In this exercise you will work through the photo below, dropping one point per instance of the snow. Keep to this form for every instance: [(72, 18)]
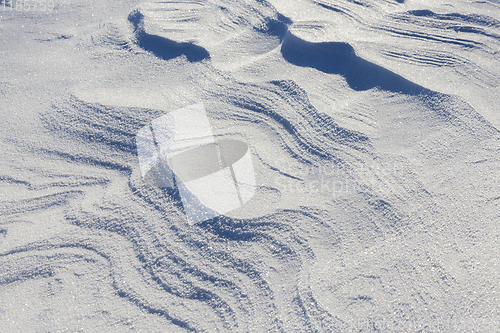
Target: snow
[(371, 147)]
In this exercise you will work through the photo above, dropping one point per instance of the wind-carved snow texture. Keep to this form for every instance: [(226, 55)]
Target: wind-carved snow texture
[(377, 195)]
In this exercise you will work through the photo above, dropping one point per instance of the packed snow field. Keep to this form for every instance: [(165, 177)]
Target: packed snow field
[(372, 128)]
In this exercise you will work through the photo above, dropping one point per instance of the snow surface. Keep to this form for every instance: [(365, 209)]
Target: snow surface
[(373, 130)]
